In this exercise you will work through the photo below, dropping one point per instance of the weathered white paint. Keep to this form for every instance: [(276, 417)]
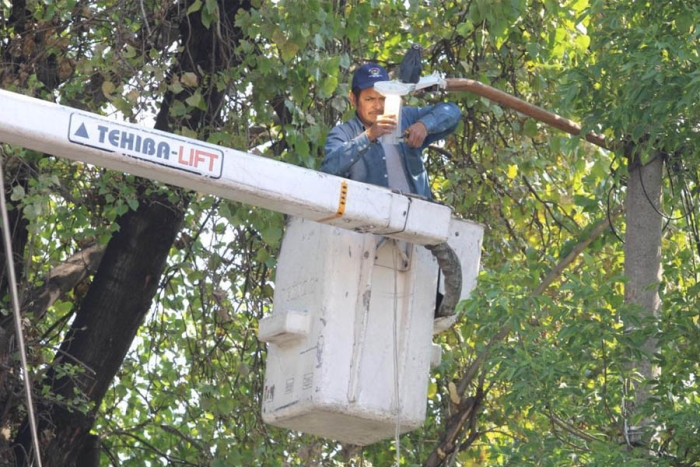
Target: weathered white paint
[(285, 327), (337, 380), (228, 173), (465, 240)]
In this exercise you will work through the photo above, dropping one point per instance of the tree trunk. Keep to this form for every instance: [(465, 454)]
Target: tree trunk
[(105, 326), (90, 452), (643, 262), (129, 274)]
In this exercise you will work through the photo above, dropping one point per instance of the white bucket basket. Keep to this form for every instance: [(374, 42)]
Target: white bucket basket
[(330, 362)]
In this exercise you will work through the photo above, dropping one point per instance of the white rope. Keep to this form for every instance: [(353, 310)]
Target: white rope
[(9, 258), (397, 432)]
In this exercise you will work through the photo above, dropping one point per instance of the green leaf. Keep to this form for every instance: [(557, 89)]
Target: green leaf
[(530, 128), (18, 193), (133, 203), (196, 100), (465, 29), (196, 6), (328, 86), (272, 235)]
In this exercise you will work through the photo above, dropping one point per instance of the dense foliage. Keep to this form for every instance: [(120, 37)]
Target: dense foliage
[(536, 372)]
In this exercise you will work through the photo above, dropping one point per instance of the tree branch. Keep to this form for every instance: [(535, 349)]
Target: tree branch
[(559, 267), (467, 407), (63, 278)]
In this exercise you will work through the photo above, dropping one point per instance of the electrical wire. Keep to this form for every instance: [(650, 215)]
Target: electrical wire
[(689, 206), (610, 217), (653, 203), (18, 317), (687, 197)]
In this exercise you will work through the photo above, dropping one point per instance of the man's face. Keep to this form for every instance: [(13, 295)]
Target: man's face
[(369, 105)]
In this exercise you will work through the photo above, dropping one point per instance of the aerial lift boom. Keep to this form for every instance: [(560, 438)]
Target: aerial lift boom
[(216, 170)]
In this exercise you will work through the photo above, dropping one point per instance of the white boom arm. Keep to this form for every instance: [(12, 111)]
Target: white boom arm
[(67, 132)]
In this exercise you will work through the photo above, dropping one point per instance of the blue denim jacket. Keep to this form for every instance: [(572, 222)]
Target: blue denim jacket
[(350, 154)]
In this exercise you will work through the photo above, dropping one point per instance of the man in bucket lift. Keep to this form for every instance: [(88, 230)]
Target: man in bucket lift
[(353, 150)]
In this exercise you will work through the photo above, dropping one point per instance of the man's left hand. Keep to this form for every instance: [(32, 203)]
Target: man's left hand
[(415, 135)]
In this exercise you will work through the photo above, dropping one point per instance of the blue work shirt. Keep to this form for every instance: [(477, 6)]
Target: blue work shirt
[(350, 154)]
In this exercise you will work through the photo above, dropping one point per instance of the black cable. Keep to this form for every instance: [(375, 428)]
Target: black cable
[(687, 202), (610, 219), (690, 216), (651, 203)]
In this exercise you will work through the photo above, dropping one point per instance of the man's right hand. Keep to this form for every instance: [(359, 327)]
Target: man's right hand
[(384, 124)]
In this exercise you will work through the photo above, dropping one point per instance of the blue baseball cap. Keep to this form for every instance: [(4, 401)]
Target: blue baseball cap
[(367, 75)]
